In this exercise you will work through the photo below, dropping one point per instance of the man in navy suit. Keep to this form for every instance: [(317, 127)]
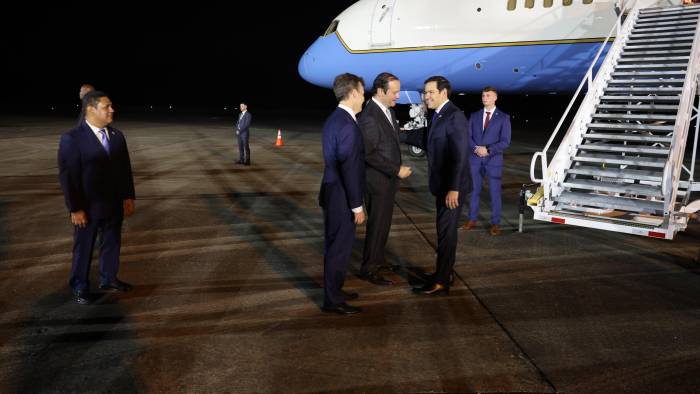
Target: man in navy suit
[(98, 188), (446, 144), (342, 189), (490, 137), (243, 132)]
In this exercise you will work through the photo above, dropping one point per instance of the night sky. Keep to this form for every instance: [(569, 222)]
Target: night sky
[(192, 55)]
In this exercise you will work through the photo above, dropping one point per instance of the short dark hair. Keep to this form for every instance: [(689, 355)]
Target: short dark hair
[(93, 98), (244, 103), (344, 84), (489, 89), (442, 83), (382, 82)]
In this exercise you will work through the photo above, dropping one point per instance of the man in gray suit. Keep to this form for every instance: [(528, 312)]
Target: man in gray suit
[(243, 130), (380, 132)]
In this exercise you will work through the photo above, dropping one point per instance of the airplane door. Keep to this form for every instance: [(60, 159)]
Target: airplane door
[(381, 22)]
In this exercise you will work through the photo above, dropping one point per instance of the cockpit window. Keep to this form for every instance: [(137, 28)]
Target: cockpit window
[(512, 4), (331, 29)]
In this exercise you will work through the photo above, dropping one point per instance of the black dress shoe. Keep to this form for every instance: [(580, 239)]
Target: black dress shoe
[(116, 285), (430, 276), (247, 163), (436, 289), (376, 279), (83, 297), (342, 309), (349, 296)]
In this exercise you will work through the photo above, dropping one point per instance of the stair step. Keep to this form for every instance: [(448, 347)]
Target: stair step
[(675, 33), (689, 20), (661, 19), (628, 54), (623, 187), (655, 81), (634, 137), (655, 66), (640, 175), (665, 74), (621, 160), (643, 41), (610, 202), (634, 117), (641, 98), (639, 107), (633, 149), (653, 59), (689, 28), (629, 126), (658, 46), (644, 90), (651, 12)]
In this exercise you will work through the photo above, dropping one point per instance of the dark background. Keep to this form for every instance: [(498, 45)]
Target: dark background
[(182, 58)]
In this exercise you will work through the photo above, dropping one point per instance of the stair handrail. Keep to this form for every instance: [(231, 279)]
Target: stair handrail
[(672, 168), (587, 80)]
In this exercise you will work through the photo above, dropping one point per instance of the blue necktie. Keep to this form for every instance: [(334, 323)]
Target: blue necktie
[(104, 140), (435, 116)]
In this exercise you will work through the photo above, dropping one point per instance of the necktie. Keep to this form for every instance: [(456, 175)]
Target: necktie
[(486, 122), (388, 116), (104, 140), (435, 116)]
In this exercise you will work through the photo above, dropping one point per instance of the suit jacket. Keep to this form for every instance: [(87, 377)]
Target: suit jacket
[(91, 179), (446, 143), (343, 153), (382, 148), (496, 138), (243, 124)]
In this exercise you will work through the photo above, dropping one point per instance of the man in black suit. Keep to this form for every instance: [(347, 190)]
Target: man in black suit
[(380, 132), (341, 192), (98, 188), (447, 145), (243, 132)]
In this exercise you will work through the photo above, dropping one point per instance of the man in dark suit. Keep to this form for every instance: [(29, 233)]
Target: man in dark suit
[(446, 144), (243, 132), (98, 187), (380, 132), (84, 90), (490, 137), (342, 188)]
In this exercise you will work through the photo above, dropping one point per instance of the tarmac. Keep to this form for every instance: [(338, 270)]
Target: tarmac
[(227, 265)]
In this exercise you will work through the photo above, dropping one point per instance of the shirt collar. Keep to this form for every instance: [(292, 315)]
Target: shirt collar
[(442, 105), (384, 109), (348, 110), (492, 111), (96, 130)]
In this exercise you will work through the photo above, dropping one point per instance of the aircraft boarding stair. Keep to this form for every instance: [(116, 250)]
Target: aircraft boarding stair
[(620, 166)]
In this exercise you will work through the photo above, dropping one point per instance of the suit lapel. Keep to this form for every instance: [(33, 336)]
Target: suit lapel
[(92, 140)]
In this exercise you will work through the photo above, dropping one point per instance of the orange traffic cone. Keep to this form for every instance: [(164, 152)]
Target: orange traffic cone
[(279, 138)]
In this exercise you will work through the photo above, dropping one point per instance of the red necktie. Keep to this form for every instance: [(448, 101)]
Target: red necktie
[(488, 119)]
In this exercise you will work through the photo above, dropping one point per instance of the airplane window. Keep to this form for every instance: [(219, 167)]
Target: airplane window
[(529, 3), (548, 3), (587, 1), (567, 2), (331, 29), (511, 5)]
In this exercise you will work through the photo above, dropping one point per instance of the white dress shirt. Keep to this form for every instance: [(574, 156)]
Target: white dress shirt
[(483, 119), (352, 113), (97, 131), (384, 109), (441, 105)]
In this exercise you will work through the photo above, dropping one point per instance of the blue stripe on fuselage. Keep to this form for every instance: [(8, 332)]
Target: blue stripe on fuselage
[(542, 68)]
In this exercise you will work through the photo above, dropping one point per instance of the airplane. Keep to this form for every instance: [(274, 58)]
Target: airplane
[(517, 46)]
